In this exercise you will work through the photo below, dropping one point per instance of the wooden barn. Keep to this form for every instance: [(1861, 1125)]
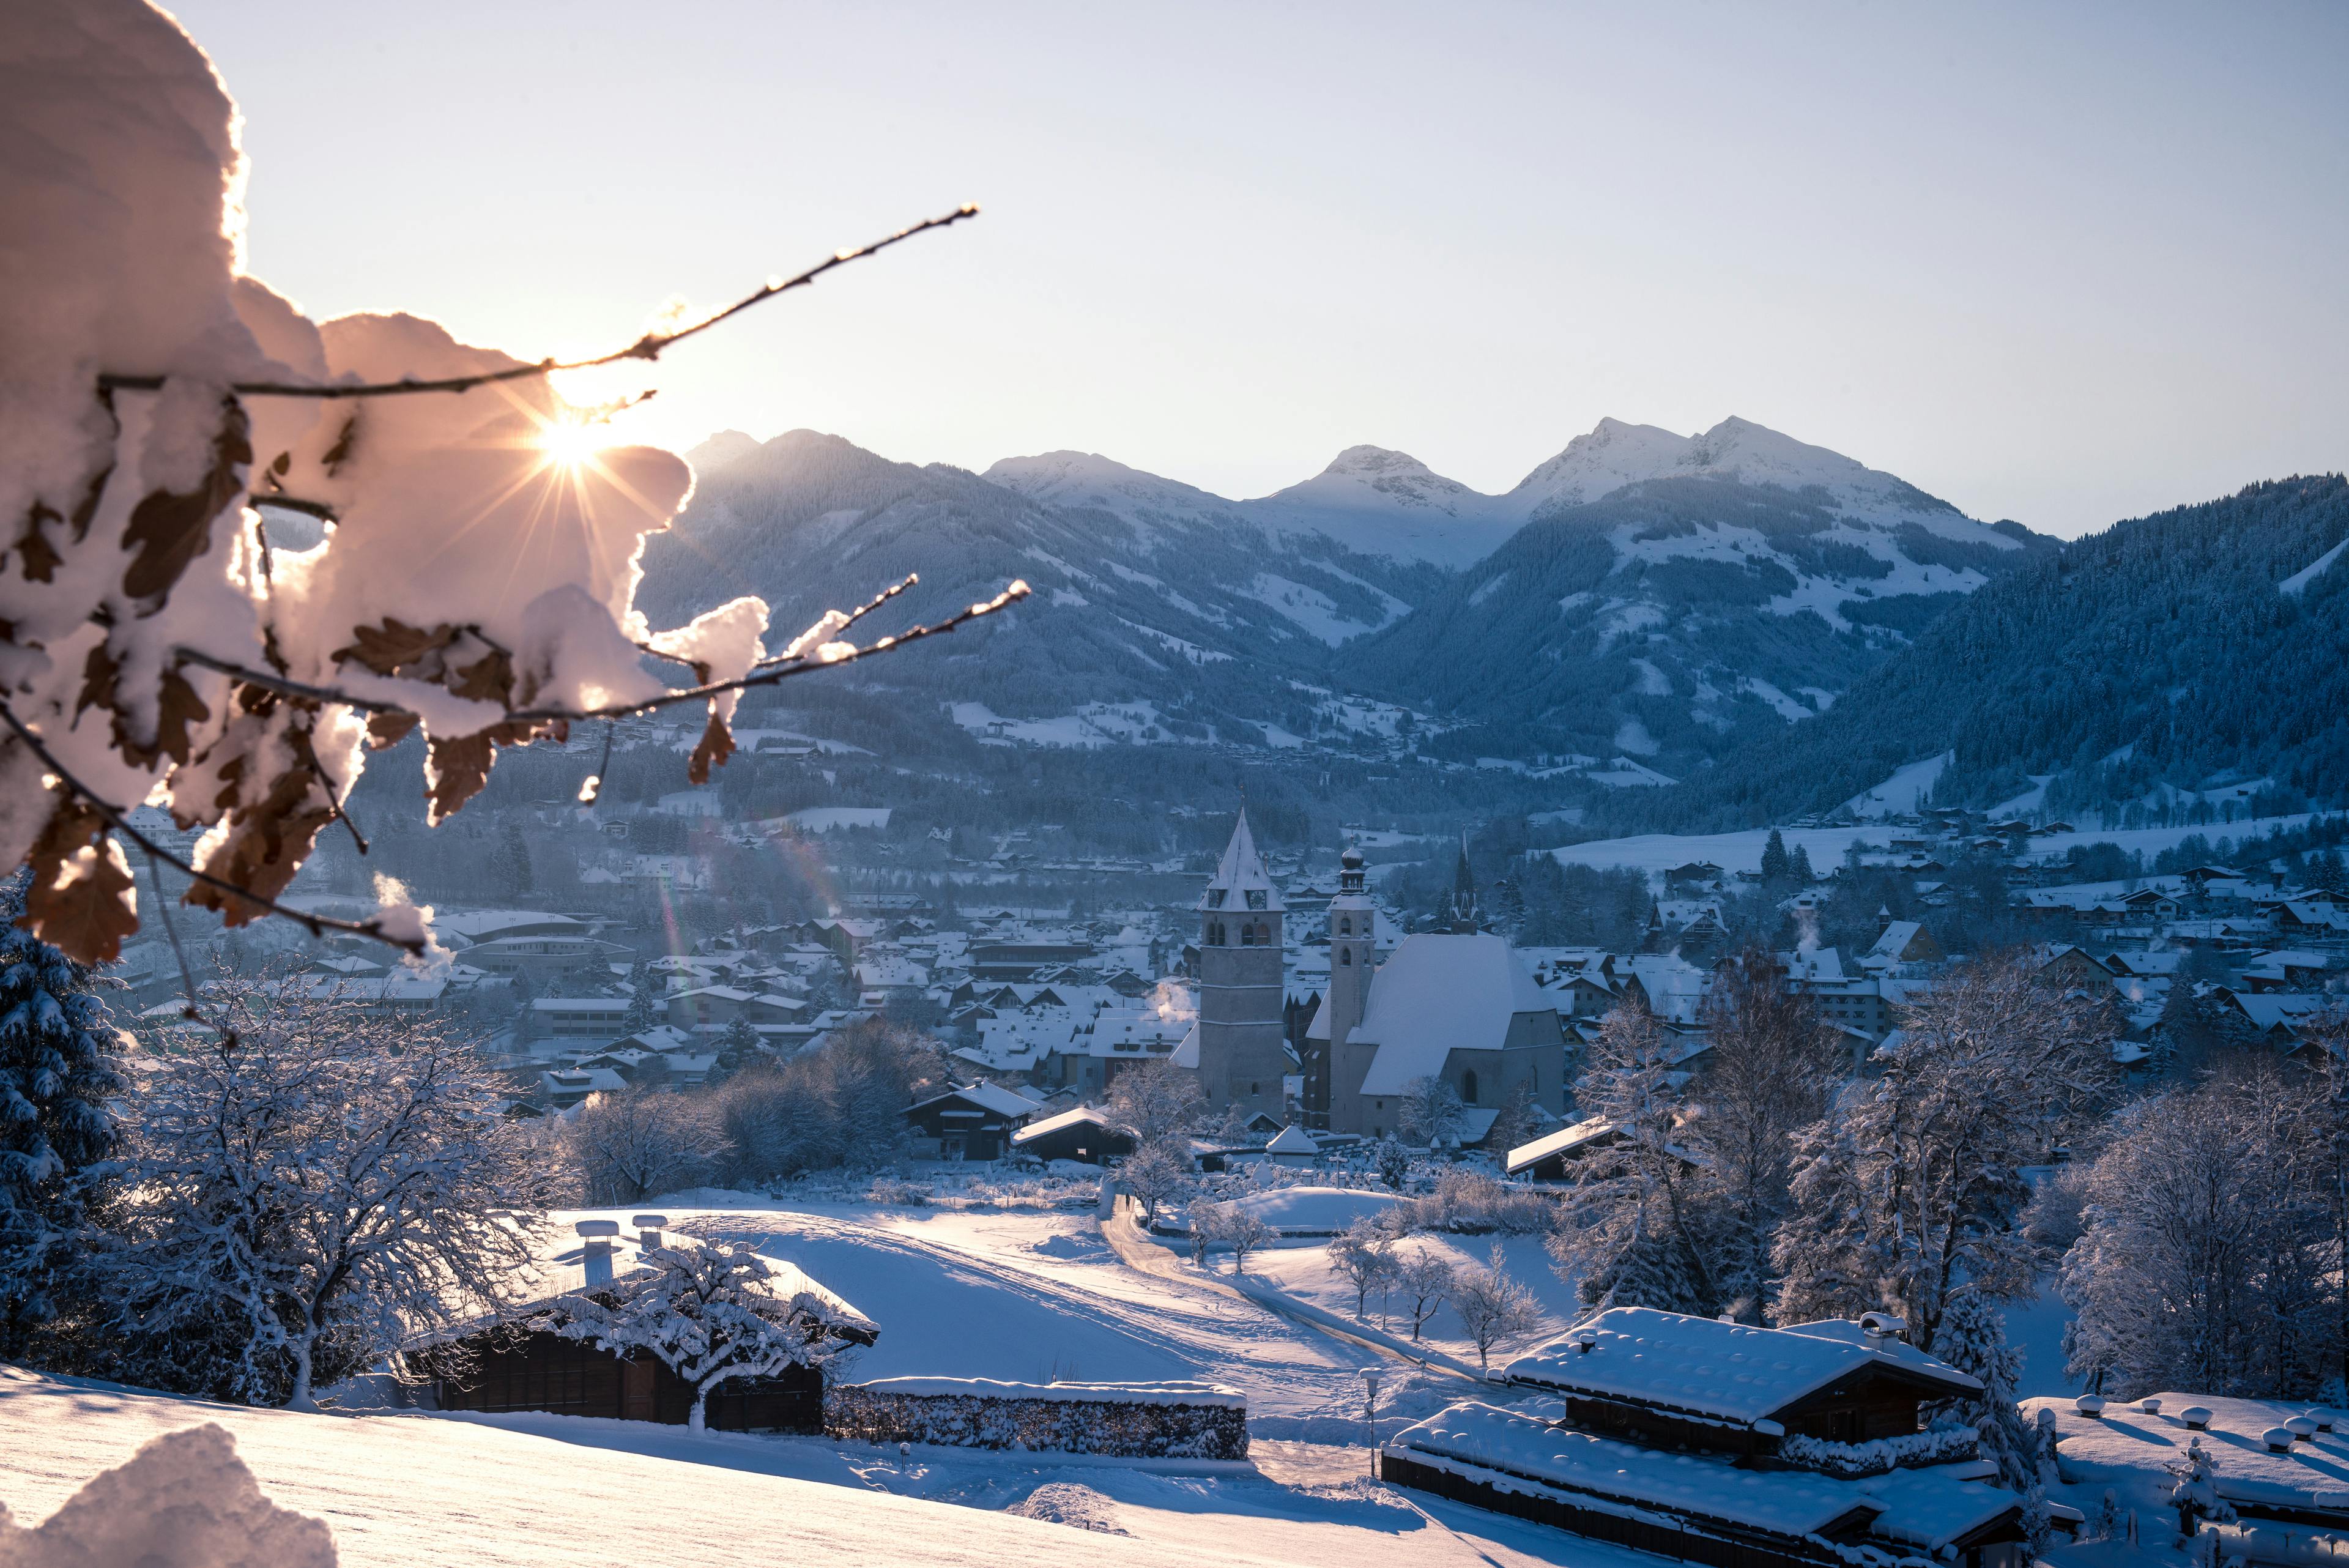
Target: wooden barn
[(1669, 1381), (506, 1365), (1083, 1133), (976, 1123)]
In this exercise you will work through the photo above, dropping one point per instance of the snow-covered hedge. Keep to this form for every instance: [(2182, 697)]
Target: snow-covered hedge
[(1133, 1420), (1941, 1445)]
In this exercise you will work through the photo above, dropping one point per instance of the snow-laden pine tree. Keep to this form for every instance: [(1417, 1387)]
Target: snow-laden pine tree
[(1638, 1223), (713, 1313), (314, 1183), (57, 1130)]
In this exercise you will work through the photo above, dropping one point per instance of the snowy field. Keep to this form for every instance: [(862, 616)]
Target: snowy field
[(1657, 852), (1013, 1296)]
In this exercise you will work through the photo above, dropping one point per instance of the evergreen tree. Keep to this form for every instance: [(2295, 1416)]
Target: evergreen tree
[(644, 998), (737, 1048), (1776, 868), (1798, 866), (509, 862), (57, 1077)]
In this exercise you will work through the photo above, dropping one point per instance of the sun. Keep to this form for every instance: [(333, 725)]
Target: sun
[(569, 441)]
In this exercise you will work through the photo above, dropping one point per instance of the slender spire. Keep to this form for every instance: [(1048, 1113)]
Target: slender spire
[(1463, 893), (1241, 881)]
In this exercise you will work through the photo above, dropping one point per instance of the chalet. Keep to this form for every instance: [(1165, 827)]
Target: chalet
[(1083, 1133), (976, 1123), (1901, 942), (1551, 1158), (511, 1363), (1723, 1444), (2071, 968), (1695, 874)]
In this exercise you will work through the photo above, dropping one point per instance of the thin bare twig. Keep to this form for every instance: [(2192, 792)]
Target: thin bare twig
[(648, 347), (340, 815), (764, 674), (317, 925)]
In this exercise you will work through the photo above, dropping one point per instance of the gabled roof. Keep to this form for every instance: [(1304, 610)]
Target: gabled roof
[(1724, 1370), (1292, 1140), (1003, 1102), (1566, 1140), (1083, 1116), (1241, 872), (1439, 993)]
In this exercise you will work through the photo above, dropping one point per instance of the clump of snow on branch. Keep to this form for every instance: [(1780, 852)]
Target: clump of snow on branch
[(477, 579), (183, 1501)]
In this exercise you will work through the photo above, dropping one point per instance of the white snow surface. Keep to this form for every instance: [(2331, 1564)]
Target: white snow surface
[(1064, 1392), (1438, 991), (183, 1501), (2125, 1448), (1009, 1296), (1317, 1210), (1725, 1370), (2298, 582), (1904, 791)]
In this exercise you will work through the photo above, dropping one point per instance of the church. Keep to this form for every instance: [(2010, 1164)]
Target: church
[(1242, 1052), (1454, 1006)]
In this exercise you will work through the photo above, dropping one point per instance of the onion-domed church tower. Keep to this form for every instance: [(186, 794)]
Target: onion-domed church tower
[(1242, 1057)]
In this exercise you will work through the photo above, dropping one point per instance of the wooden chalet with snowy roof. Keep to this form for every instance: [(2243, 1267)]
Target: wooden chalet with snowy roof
[(515, 1360), (1083, 1133), (974, 1123), (1728, 1445)]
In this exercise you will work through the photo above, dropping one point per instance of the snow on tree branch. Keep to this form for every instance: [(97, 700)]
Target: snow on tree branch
[(479, 579), (711, 1312)]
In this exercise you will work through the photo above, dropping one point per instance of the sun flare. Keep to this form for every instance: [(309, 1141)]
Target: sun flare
[(570, 441)]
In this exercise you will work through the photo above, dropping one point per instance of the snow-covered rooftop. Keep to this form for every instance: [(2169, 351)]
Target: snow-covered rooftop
[(1085, 1116), (2125, 1448), (1439, 993), (1725, 1370), (1925, 1507)]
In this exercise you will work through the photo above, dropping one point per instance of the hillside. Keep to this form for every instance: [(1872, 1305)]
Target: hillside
[(2201, 646), (1675, 601)]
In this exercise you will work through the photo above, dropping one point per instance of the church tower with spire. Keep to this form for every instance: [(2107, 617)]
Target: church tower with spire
[(1242, 1056)]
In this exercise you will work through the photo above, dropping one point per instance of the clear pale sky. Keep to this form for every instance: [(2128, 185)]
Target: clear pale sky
[(2059, 263)]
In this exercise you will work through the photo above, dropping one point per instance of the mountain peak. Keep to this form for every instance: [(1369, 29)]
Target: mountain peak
[(1377, 461), (719, 449)]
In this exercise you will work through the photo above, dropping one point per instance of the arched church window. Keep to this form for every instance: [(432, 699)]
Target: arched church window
[(1263, 933), (1345, 924), (1248, 935), (1468, 1087), (1345, 957)]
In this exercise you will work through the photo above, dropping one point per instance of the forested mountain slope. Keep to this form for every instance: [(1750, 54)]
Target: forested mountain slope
[(1687, 617), (2200, 646)]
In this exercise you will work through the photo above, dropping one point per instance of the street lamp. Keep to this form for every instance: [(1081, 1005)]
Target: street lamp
[(1370, 1375)]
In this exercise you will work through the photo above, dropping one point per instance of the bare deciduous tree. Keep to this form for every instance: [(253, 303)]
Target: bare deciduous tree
[(1495, 1306), (627, 1146)]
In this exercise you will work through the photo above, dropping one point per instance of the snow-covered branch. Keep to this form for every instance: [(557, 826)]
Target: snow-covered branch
[(479, 582)]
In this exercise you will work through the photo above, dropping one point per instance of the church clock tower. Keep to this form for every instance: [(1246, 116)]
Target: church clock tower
[(1242, 1057)]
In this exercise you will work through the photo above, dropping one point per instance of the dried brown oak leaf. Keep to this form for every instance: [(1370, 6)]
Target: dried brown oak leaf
[(169, 528), (81, 898)]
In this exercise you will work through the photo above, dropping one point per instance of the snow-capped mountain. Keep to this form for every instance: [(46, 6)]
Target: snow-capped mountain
[(1639, 594), (1670, 598)]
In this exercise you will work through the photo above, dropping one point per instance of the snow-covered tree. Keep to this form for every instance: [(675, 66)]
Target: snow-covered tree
[(1430, 1110), (479, 582), (738, 1046), (627, 1146), (1156, 1099), (1156, 1173), (324, 1179), (1769, 1073), (57, 1131), (1495, 1306), (1635, 1226), (709, 1311), (1243, 1231), (1972, 1338), (1991, 1072), (1393, 1163), (1363, 1256), (2203, 1260), (1423, 1277), (644, 1010)]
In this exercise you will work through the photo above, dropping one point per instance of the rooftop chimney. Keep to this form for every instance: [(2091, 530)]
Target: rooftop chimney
[(649, 1228), (597, 1257)]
